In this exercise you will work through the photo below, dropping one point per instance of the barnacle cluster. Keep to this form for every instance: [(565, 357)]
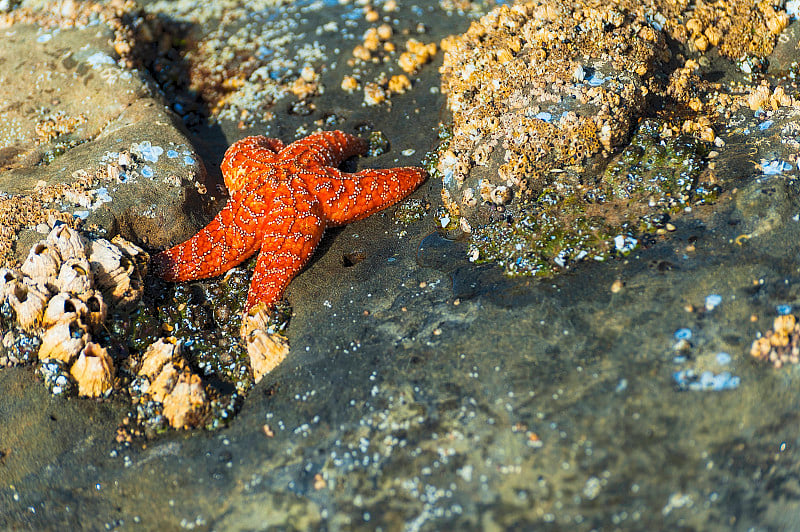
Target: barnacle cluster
[(166, 386), (62, 294), (781, 344), (738, 28), (542, 96), (536, 87), (60, 299)]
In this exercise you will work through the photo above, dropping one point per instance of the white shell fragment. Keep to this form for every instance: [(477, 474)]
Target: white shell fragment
[(93, 371)]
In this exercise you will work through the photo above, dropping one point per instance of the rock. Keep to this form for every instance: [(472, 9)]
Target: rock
[(542, 105), (119, 162)]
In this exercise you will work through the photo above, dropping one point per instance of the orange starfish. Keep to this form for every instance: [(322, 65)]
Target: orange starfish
[(281, 201)]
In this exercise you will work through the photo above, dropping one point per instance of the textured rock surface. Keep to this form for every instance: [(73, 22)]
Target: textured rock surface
[(88, 138), (425, 392)]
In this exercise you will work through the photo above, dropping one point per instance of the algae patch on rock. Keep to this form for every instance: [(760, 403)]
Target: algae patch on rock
[(571, 220), (542, 97)]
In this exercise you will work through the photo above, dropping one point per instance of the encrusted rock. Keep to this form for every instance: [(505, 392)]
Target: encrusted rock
[(566, 90), (93, 371)]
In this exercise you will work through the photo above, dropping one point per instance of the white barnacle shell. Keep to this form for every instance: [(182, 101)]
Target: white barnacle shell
[(133, 252), (164, 382), (185, 403), (63, 341), (42, 263), (93, 371), (74, 276), (96, 309), (117, 269), (157, 355), (266, 352), (63, 307), (265, 349), (8, 278), (106, 260), (501, 195), (68, 242), (28, 301)]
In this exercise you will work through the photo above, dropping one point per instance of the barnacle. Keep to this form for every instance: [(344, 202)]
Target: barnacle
[(93, 371)]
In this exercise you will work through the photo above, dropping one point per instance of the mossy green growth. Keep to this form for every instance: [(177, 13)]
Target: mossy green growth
[(205, 317), (431, 160), (410, 211), (573, 220), (378, 144), (659, 173)]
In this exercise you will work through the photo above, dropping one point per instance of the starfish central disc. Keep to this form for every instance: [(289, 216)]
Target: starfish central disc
[(281, 200)]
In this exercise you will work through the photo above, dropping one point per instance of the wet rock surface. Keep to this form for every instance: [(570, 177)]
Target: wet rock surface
[(422, 390)]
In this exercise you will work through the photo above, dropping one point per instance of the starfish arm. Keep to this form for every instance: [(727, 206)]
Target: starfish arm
[(348, 197), (230, 238), (325, 148), (283, 253), (247, 156)]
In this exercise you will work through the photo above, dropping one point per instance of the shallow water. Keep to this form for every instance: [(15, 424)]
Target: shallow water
[(424, 391)]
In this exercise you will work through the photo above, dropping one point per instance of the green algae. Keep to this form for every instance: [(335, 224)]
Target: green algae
[(378, 144), (569, 221), (411, 210)]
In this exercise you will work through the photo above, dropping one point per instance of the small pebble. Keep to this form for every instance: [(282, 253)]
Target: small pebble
[(713, 301)]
